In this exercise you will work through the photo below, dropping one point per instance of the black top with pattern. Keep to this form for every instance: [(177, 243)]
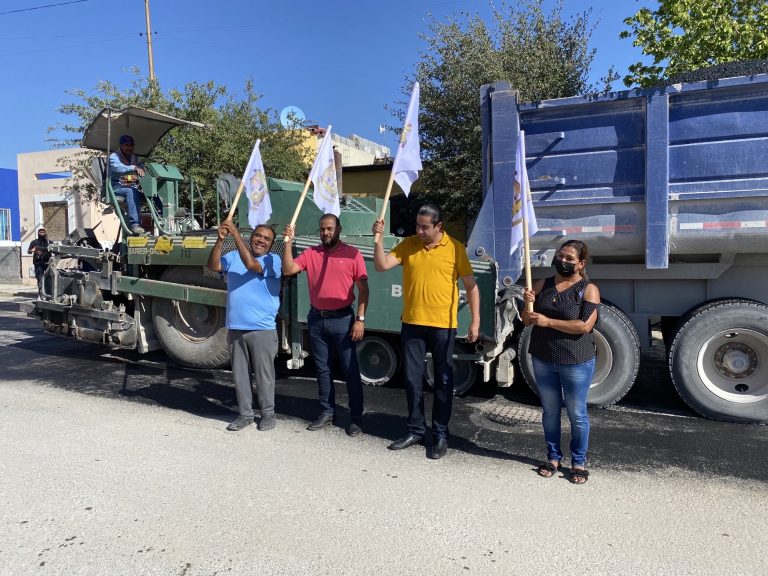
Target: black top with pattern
[(550, 345)]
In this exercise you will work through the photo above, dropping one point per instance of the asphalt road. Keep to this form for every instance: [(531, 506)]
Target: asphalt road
[(114, 463)]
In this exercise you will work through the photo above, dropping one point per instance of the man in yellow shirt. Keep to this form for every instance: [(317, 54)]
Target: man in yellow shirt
[(432, 262)]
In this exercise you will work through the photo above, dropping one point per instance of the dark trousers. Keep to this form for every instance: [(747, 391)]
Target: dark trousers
[(416, 341), (325, 335), (39, 274)]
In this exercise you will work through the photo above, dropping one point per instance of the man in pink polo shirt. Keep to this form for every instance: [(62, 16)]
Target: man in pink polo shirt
[(333, 270)]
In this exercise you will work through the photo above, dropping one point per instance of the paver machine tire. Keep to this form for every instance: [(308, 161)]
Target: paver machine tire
[(617, 362), (378, 359), (192, 334), (465, 372), (718, 360)]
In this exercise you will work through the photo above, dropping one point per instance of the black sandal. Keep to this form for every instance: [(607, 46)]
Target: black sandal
[(577, 473), (547, 470)]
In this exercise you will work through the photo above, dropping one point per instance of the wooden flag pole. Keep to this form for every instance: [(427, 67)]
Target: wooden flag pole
[(240, 188), (377, 237), (298, 206), (234, 202), (306, 186), (527, 256)]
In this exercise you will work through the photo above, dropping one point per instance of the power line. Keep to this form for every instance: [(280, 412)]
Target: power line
[(41, 7)]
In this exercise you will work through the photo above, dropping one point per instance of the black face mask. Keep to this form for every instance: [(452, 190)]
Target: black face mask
[(565, 269)]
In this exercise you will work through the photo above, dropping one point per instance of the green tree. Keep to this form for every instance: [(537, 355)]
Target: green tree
[(233, 124), (685, 35), (543, 55)]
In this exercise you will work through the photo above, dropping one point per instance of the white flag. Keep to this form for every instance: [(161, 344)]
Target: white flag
[(522, 203), (408, 158), (323, 175), (255, 186)]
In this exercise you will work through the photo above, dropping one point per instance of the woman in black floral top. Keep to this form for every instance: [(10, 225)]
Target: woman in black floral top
[(563, 351)]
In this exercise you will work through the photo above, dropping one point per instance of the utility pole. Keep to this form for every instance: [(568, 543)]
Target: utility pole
[(149, 43)]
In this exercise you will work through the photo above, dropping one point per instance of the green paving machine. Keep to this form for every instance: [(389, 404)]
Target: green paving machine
[(153, 291)]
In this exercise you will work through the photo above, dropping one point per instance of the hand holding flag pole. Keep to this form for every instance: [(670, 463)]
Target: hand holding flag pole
[(405, 169)]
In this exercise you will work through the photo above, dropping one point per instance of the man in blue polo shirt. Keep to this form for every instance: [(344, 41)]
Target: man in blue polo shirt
[(253, 299)]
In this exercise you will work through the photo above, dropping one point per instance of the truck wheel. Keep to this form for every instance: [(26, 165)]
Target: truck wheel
[(464, 372), (192, 334), (378, 360), (618, 357), (719, 361)]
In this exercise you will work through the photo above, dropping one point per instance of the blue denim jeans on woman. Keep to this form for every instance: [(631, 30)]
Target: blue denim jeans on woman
[(325, 335), (567, 384)]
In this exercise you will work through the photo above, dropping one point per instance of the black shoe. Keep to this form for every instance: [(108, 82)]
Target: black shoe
[(354, 429), (239, 423), (322, 421), (439, 449), (267, 422), (406, 442)]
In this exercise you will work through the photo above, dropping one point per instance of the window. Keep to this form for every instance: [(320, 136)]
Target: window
[(52, 175), (5, 224)]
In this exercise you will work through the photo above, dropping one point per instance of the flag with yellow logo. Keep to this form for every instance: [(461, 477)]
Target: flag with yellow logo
[(255, 186), (522, 203), (323, 175), (408, 158)]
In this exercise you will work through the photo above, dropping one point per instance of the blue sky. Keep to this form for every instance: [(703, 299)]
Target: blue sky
[(340, 61)]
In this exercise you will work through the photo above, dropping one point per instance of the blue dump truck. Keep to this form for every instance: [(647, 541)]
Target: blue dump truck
[(669, 189)]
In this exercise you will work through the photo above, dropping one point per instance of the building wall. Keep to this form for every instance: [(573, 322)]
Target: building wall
[(9, 199), (43, 197), (10, 269), (371, 182)]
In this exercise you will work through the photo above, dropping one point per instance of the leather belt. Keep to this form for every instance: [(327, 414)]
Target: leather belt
[(340, 313)]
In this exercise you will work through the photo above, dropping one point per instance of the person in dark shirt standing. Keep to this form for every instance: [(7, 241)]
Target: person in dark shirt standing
[(563, 350), (40, 256)]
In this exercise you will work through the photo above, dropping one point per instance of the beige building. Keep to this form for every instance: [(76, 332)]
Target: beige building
[(46, 200), (355, 150), (358, 151)]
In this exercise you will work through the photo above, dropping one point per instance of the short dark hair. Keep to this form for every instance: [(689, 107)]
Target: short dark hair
[(266, 227), (126, 139), (433, 211), (329, 215)]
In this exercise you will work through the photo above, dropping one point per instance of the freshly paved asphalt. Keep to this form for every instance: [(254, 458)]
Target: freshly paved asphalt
[(650, 428)]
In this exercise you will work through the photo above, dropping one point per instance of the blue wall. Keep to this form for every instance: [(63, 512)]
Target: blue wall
[(9, 198)]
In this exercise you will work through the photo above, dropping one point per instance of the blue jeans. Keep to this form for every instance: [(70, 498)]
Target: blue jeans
[(326, 334), (569, 382), (415, 341), (132, 198)]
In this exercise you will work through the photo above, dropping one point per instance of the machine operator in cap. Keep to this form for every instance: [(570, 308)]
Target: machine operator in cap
[(125, 172)]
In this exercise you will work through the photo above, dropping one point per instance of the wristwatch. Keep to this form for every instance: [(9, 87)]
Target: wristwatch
[(360, 318)]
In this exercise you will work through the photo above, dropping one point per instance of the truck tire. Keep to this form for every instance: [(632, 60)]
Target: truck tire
[(193, 335), (378, 360), (719, 360), (464, 372), (618, 357)]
